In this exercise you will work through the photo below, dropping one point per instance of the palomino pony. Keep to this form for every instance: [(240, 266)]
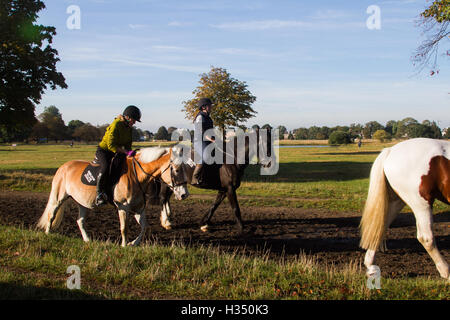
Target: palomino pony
[(129, 192), (413, 172)]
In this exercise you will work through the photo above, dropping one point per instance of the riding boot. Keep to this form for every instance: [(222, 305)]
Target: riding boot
[(197, 176), (102, 197)]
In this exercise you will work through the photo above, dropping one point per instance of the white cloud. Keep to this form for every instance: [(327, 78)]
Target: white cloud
[(180, 24), (138, 26), (261, 25), (288, 24), (147, 63), (170, 48)]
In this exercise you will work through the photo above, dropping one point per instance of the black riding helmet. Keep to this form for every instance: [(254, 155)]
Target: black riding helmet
[(204, 102), (133, 112)]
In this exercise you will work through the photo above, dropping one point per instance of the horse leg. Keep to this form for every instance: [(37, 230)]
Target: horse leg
[(165, 215), (141, 219), (393, 209), (424, 222), (82, 211), (123, 226), (52, 209), (231, 194), (205, 220)]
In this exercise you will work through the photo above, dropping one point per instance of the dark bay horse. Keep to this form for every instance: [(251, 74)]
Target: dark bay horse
[(225, 178)]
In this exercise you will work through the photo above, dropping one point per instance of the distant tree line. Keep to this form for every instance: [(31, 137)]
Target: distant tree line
[(406, 128), (51, 127)]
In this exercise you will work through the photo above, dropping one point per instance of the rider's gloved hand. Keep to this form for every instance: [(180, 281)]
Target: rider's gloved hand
[(131, 153)]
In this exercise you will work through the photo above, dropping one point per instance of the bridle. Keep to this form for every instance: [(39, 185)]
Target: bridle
[(172, 186)]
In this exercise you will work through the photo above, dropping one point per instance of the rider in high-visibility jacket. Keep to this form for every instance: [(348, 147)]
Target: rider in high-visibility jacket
[(117, 139)]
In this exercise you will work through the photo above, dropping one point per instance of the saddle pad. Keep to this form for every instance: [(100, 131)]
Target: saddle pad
[(89, 175)]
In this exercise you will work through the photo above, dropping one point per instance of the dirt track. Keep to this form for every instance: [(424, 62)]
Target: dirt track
[(332, 237)]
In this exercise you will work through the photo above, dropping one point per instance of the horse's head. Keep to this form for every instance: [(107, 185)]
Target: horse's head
[(174, 174)]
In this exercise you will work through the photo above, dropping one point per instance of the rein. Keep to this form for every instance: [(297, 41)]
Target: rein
[(149, 175)]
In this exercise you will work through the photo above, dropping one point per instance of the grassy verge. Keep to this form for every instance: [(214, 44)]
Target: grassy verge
[(34, 265)]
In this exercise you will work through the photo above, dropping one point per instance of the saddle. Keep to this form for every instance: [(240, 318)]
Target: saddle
[(116, 170), (210, 176)]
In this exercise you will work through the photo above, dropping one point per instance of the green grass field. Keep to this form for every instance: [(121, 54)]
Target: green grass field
[(34, 265), (334, 178)]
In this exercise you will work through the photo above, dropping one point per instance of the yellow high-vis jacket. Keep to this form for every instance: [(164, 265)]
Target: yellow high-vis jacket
[(118, 134)]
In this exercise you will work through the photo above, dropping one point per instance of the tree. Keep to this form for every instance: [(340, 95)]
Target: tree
[(435, 23), (52, 118), (371, 127), (148, 135), (27, 64), (356, 130), (232, 100), (381, 135), (162, 134), (339, 137), (405, 128), (72, 125), (301, 134), (282, 132), (87, 132), (39, 131), (391, 127)]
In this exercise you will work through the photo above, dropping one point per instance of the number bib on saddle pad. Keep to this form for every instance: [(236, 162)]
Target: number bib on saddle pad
[(90, 174)]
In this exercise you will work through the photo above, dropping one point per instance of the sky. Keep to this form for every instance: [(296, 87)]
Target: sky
[(307, 62)]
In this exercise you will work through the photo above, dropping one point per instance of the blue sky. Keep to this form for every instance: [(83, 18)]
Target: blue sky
[(307, 62)]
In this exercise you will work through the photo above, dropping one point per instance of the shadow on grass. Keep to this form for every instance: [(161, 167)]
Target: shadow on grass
[(311, 171), (44, 171), (10, 291)]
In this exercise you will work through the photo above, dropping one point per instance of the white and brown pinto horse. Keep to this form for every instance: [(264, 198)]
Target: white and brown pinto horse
[(414, 172), (129, 192)]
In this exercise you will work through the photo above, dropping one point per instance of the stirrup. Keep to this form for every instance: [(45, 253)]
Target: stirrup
[(198, 182), (101, 199)]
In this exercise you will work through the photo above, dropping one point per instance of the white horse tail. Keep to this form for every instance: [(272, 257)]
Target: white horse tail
[(54, 211), (374, 218)]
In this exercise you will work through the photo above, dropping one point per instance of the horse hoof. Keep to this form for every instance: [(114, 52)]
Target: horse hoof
[(167, 227), (204, 228)]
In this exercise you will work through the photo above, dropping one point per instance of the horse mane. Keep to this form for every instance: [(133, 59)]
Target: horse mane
[(150, 154)]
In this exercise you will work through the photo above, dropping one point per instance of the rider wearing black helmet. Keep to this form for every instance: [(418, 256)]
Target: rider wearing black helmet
[(202, 123), (117, 139)]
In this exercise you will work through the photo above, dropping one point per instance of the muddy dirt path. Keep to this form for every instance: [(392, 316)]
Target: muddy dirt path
[(332, 237)]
